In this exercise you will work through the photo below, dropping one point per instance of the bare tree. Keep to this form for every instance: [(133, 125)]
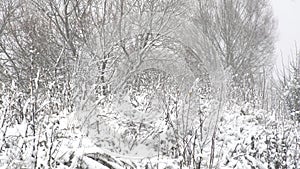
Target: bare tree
[(238, 33), (126, 35), (8, 14)]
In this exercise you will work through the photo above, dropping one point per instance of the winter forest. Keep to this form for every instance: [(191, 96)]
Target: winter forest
[(145, 84)]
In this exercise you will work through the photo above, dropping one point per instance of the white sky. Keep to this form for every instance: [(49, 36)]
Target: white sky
[(287, 13)]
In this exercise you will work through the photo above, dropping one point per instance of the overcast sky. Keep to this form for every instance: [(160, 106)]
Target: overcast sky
[(287, 13)]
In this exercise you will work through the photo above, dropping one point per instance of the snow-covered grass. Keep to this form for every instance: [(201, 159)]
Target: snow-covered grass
[(166, 132)]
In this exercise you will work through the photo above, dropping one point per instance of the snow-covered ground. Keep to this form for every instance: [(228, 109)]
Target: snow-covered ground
[(245, 138)]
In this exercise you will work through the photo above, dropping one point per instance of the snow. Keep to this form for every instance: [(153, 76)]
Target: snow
[(245, 138), (144, 84), (92, 164)]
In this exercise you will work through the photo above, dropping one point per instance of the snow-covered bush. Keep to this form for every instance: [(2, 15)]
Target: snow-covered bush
[(134, 116), (156, 115), (292, 95), (32, 125), (251, 138)]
